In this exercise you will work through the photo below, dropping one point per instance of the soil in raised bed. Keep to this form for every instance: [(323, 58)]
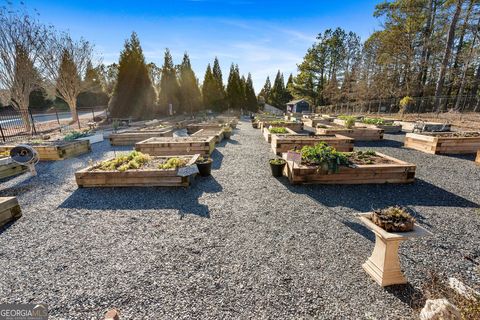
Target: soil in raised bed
[(147, 163), (454, 134), (367, 158)]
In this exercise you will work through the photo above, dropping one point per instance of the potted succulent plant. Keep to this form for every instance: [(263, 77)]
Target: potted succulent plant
[(227, 132), (277, 166), (204, 165), (390, 226)]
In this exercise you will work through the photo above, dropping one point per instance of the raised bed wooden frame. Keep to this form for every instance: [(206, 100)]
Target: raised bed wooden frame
[(397, 172), (130, 137), (217, 134), (163, 146), (268, 136), (295, 126), (283, 143), (192, 128), (134, 178), (430, 143), (386, 128), (359, 134), (8, 168), (9, 210), (64, 151)]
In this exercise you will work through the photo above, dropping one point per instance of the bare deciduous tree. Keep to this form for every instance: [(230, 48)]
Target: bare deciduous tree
[(66, 62), (22, 41)]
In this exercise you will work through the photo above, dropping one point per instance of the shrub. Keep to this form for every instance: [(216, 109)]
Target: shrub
[(277, 161), (328, 158), (350, 122), (405, 103), (132, 160)]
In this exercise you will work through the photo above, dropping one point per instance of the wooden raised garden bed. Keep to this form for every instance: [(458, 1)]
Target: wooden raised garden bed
[(130, 137), (204, 133), (55, 150), (359, 134), (391, 171), (177, 146), (268, 135), (9, 210), (283, 143), (444, 142), (8, 168), (142, 177), (313, 122), (295, 126), (388, 127), (192, 128)]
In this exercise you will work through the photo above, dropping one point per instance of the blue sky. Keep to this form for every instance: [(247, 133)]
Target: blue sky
[(260, 36)]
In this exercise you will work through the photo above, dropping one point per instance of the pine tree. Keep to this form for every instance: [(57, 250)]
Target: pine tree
[(190, 97), (169, 88), (264, 94), (209, 89), (243, 91), (288, 89), (134, 95), (250, 98)]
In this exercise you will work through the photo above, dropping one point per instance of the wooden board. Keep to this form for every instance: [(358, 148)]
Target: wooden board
[(359, 134), (386, 128), (9, 210), (8, 168), (283, 143), (313, 122), (441, 145), (268, 136), (130, 137), (134, 178), (205, 133), (397, 172), (57, 152), (177, 146), (477, 159)]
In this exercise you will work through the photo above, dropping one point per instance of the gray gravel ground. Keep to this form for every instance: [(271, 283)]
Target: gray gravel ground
[(240, 244)]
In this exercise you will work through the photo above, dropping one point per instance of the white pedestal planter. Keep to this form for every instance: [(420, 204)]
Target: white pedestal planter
[(384, 264)]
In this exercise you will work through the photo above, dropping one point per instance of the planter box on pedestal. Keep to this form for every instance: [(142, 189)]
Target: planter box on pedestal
[(88, 177), (177, 146), (56, 150), (8, 168), (9, 210), (359, 134), (204, 133), (443, 142), (384, 264), (130, 137), (283, 143), (395, 171)]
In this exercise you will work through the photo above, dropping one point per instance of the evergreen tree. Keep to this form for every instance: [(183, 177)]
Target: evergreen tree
[(169, 88), (243, 91), (133, 94), (250, 98), (288, 89), (220, 102), (190, 97), (278, 93), (264, 94), (209, 89), (234, 90)]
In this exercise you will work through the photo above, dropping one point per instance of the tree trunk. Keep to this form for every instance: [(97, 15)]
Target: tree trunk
[(446, 55), (425, 56), (476, 82), (22, 108), (72, 103)]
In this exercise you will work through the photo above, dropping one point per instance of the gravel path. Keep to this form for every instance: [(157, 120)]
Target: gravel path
[(240, 244)]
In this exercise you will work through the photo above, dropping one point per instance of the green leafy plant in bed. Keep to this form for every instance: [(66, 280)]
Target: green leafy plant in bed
[(71, 136), (277, 123), (278, 130), (173, 163), (350, 121), (326, 157), (132, 160)]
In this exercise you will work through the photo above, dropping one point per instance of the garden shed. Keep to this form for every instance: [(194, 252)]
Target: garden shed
[(298, 106)]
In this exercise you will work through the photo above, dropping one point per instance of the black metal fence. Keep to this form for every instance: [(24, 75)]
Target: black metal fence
[(418, 105), (22, 124)]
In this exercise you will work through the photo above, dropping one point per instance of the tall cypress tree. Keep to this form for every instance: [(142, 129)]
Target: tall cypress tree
[(288, 89), (169, 88), (208, 88), (278, 93), (219, 102), (134, 95), (265, 93), (243, 91), (234, 91), (251, 100), (190, 97)]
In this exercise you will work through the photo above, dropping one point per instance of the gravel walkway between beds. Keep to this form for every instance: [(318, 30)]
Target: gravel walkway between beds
[(240, 244)]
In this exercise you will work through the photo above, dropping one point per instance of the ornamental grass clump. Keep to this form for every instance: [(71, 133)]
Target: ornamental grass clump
[(393, 219), (278, 130), (326, 157), (133, 160)]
